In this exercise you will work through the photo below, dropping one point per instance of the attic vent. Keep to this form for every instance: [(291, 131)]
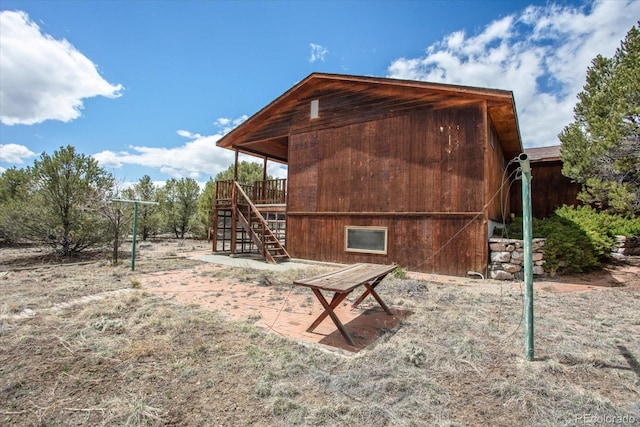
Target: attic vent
[(315, 105)]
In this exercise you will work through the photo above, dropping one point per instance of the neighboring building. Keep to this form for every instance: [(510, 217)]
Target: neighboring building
[(379, 170), (549, 188)]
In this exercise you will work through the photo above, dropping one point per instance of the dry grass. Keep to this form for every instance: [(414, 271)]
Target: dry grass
[(129, 358)]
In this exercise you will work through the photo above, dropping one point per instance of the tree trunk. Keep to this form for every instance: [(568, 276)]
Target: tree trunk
[(116, 244)]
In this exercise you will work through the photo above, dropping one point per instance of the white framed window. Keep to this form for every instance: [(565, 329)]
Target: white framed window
[(315, 109), (368, 240)]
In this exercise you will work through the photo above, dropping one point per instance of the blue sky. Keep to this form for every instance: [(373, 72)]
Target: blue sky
[(148, 87)]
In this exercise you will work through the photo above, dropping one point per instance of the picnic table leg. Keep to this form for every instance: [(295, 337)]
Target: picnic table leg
[(328, 311), (335, 301), (370, 289), (377, 297)]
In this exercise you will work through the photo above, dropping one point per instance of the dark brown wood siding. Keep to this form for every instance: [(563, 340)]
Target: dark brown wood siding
[(421, 174), (549, 190), (445, 245), (497, 198)]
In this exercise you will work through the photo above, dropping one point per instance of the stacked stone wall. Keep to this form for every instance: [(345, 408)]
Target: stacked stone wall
[(626, 246), (507, 258)]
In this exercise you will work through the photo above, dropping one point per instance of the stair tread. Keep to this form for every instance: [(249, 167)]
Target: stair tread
[(261, 235)]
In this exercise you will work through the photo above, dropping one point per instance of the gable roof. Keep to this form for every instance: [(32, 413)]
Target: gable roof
[(266, 132), (543, 154)]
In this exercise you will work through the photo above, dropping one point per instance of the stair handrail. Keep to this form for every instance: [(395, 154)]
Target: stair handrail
[(253, 207), (263, 221)]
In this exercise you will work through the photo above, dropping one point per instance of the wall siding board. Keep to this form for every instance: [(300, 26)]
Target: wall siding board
[(495, 177), (422, 161), (549, 190), (303, 174), (398, 179), (434, 150), (421, 244)]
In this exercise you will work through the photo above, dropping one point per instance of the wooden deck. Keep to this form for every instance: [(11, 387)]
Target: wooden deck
[(268, 192), (250, 218)]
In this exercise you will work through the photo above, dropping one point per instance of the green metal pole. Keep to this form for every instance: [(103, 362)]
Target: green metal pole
[(528, 255), (135, 223), (135, 233)]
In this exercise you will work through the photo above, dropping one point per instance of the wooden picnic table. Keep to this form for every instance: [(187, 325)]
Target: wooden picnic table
[(342, 282)]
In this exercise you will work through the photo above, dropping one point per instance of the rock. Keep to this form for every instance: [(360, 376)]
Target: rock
[(497, 247), (511, 268), (500, 256), (539, 243), (500, 275), (500, 240)]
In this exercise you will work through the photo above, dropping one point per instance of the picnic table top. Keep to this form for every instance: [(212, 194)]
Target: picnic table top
[(348, 278)]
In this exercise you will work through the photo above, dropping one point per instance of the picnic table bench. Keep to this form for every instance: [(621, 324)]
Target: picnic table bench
[(342, 282)]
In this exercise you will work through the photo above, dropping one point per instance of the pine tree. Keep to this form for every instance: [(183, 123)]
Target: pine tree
[(148, 215), (68, 191), (601, 148), (179, 205), (248, 173)]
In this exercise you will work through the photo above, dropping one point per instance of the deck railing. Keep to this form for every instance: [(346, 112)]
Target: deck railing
[(269, 192)]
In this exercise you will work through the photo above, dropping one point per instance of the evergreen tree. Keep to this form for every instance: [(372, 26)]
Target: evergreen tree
[(179, 205), (119, 218), (68, 190), (601, 148), (248, 173), (205, 207), (15, 190), (148, 215)]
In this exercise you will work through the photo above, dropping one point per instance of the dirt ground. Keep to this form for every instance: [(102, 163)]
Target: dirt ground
[(289, 311), (183, 342)]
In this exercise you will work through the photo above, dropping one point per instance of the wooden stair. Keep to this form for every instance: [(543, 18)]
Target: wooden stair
[(257, 228)]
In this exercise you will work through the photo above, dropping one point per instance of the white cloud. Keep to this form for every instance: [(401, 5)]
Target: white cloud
[(187, 134), (542, 55), (318, 53), (277, 170), (14, 153), (110, 159), (42, 78), (199, 158), (226, 125)]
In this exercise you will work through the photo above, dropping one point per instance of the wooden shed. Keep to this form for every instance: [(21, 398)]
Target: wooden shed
[(379, 170), (549, 188)]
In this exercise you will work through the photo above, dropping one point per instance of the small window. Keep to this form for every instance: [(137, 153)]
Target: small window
[(315, 106), (369, 240)]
